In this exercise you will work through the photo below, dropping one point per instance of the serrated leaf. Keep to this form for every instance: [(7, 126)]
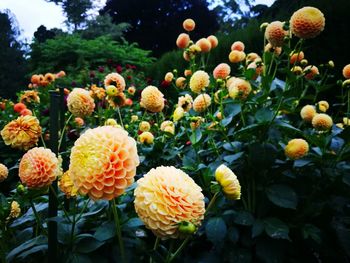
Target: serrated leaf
[(282, 195)]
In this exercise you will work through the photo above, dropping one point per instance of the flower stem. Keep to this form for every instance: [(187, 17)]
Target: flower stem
[(156, 243), (120, 117), (63, 131), (119, 232), (37, 218), (211, 203), (178, 251)]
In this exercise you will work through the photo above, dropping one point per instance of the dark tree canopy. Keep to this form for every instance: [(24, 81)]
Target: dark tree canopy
[(12, 63), (156, 23)]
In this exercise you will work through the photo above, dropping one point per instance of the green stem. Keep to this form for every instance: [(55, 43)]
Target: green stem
[(178, 251), (119, 232), (120, 117), (211, 203), (82, 210), (63, 131), (37, 218), (73, 223), (156, 243), (59, 204)]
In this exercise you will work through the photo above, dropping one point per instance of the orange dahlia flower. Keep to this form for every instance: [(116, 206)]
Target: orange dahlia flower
[(165, 197), (213, 41), (322, 122), (39, 167), (296, 149), (275, 33), (239, 88), (237, 45), (103, 162), (204, 45), (346, 71), (115, 79), (221, 71), (183, 40), (22, 133), (189, 24), (152, 99), (307, 113), (80, 103), (307, 22), (4, 172)]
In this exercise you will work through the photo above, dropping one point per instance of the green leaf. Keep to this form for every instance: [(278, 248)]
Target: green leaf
[(196, 136), (244, 218), (232, 109), (105, 231), (346, 178), (233, 234), (282, 195), (313, 232), (264, 115), (86, 243), (39, 240), (33, 250), (275, 228), (216, 229), (231, 158), (134, 222), (258, 228)]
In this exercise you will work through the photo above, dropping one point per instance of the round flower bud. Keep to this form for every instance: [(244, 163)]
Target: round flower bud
[(323, 105), (187, 72), (263, 26), (152, 99), (237, 45), (311, 72), (297, 70), (131, 90), (39, 167), (4, 172), (183, 40), (66, 185), (213, 41), (346, 83), (304, 62), (168, 126), (165, 197), (144, 126), (80, 103), (178, 114), (169, 77), (116, 80), (307, 113), (296, 57), (112, 91), (322, 122), (18, 107), (111, 122), (134, 118), (346, 71), (22, 133), (180, 82), (251, 57), (221, 71), (103, 162), (296, 149), (146, 138), (239, 89), (307, 22), (330, 64), (275, 33), (79, 121), (236, 56), (201, 102), (204, 45), (199, 81), (229, 182), (189, 24)]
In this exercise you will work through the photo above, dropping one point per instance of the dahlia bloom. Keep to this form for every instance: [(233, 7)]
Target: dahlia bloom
[(97, 92), (79, 121), (29, 96), (134, 118), (112, 91), (146, 138), (152, 99), (18, 107), (185, 102), (307, 22), (131, 90), (323, 105), (322, 122), (229, 182), (296, 57), (179, 112), (103, 162), (310, 72), (39, 167), (49, 77), (189, 24), (4, 172), (66, 185), (204, 45), (183, 40), (237, 45), (169, 76), (236, 56), (201, 102), (213, 41), (296, 149), (168, 126), (276, 50), (199, 81), (240, 89), (275, 34), (221, 71), (15, 210), (346, 71), (80, 103), (116, 80), (22, 133), (144, 126), (165, 197), (180, 82), (307, 113)]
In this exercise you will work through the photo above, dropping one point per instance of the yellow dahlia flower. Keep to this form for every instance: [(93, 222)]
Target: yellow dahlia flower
[(274, 33), (322, 122), (307, 113), (4, 172), (116, 80), (229, 182), (296, 149), (134, 118), (80, 103), (103, 162), (15, 210), (112, 122), (152, 99), (66, 185), (323, 105), (180, 82), (22, 133), (169, 76), (144, 126), (29, 96), (165, 197), (239, 89), (307, 22), (185, 102), (236, 56), (178, 114), (168, 126), (39, 167), (199, 81), (201, 102), (146, 138)]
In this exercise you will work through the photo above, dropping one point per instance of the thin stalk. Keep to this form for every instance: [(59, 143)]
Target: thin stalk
[(178, 251), (212, 202), (120, 117), (59, 204), (37, 219), (73, 223), (119, 232), (63, 131), (155, 246), (82, 210)]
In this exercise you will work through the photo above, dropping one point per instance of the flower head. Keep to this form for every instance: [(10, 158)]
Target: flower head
[(144, 126), (213, 41), (185, 102), (322, 122), (39, 167), (275, 33), (296, 57), (97, 92), (169, 76), (168, 126), (183, 40), (228, 181), (221, 71), (103, 162), (346, 71), (189, 24), (22, 133), (165, 197), (307, 113), (146, 138), (15, 210), (307, 22), (323, 105), (80, 103), (236, 56), (29, 96), (66, 185), (179, 112), (116, 80), (131, 90), (4, 172), (204, 45), (152, 99), (310, 72), (201, 102), (238, 45), (180, 82), (296, 149), (199, 81), (240, 89)]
